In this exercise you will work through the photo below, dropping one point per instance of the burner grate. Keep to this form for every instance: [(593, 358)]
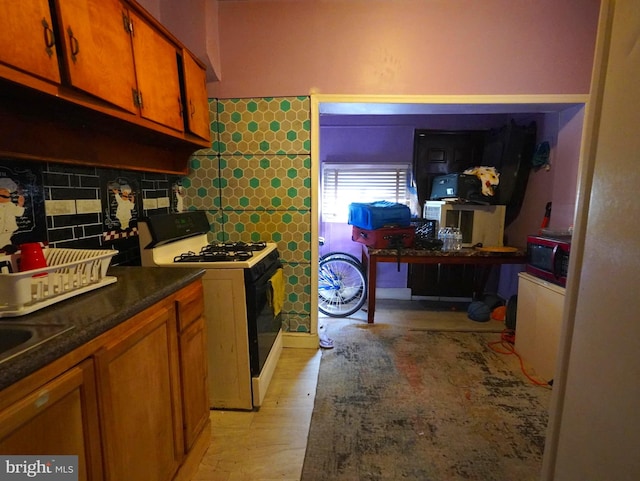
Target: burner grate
[(235, 246), (209, 255)]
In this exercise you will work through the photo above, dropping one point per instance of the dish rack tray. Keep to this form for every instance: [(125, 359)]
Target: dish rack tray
[(69, 272)]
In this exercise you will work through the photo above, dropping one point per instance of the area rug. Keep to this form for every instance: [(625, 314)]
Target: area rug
[(395, 403)]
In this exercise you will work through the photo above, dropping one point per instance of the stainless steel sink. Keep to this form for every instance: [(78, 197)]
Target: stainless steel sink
[(16, 339)]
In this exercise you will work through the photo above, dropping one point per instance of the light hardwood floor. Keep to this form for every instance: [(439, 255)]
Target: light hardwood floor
[(270, 443)]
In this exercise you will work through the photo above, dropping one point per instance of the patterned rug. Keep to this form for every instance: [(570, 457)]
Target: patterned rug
[(394, 403)]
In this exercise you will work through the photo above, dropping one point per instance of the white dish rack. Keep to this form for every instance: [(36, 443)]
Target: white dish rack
[(69, 272)]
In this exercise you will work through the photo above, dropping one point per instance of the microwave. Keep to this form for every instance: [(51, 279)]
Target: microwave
[(548, 258), (479, 224)]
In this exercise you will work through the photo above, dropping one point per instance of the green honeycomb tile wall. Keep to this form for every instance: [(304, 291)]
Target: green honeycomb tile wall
[(266, 182), (202, 186), (288, 229), (255, 184), (264, 126)]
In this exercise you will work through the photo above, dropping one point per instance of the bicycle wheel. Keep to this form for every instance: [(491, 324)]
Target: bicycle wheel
[(342, 287), (338, 276), (341, 255)]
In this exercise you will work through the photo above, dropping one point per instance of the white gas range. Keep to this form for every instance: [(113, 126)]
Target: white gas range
[(244, 335)]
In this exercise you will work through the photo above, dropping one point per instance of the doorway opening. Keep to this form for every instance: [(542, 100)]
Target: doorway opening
[(379, 130)]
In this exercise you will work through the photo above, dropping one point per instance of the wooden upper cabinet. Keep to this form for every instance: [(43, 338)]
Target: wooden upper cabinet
[(197, 101), (114, 86), (156, 62), (97, 49), (27, 40)]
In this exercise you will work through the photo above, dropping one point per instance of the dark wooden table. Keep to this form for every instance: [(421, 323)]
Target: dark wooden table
[(371, 257)]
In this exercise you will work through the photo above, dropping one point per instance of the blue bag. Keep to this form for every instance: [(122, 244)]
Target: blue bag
[(375, 215)]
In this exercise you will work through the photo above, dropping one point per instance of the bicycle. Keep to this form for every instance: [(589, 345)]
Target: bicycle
[(342, 284)]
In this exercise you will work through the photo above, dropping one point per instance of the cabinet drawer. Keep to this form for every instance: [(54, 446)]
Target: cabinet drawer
[(190, 302)]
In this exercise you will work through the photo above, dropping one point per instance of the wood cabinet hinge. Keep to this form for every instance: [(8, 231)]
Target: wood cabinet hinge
[(127, 24), (137, 98)]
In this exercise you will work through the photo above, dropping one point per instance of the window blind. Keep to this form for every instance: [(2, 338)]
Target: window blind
[(346, 183)]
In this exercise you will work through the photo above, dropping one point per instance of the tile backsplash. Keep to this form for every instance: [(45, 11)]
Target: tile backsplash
[(78, 207)]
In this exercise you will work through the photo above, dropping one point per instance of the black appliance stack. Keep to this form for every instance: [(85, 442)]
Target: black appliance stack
[(509, 149)]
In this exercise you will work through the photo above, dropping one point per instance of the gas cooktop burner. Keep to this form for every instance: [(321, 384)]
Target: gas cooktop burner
[(235, 246), (210, 255)]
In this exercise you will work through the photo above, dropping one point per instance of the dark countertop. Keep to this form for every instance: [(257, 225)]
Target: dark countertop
[(94, 313)]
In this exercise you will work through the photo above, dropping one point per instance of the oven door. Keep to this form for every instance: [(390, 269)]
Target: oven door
[(262, 325)]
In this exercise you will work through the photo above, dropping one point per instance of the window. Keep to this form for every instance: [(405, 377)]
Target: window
[(345, 183)]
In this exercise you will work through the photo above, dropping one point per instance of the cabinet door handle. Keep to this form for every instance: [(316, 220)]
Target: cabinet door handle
[(49, 39), (75, 46), (193, 109)]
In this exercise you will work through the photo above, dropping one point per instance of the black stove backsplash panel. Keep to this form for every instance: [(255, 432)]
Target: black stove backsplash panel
[(165, 228)]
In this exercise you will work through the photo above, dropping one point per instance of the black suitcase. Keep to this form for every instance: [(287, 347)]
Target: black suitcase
[(461, 186)]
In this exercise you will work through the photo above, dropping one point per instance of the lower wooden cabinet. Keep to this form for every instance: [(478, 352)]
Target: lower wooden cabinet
[(139, 400), (193, 362), (193, 369), (58, 418), (131, 404)]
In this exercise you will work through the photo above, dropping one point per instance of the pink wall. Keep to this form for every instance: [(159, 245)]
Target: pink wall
[(566, 164), (288, 47), (558, 184), (195, 23)]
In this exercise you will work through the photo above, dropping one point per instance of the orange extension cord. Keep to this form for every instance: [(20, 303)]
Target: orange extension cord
[(507, 339)]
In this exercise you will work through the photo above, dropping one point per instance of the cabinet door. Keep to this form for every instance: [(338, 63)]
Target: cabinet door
[(549, 309), (27, 40), (193, 369), (59, 418), (526, 320), (193, 361), (156, 65), (97, 50), (140, 404), (197, 102), (538, 323)]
